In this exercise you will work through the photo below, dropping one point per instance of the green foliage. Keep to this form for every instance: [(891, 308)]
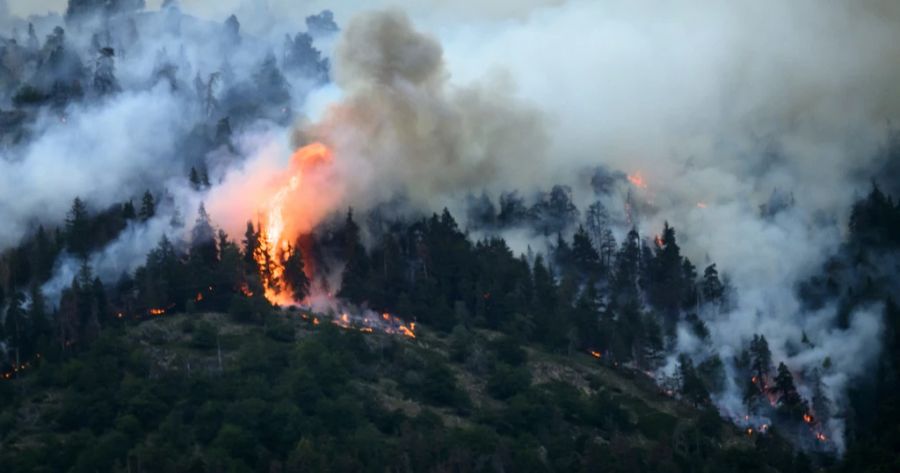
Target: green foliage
[(507, 381), (204, 335)]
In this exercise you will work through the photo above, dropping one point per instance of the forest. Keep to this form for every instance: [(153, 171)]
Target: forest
[(202, 271)]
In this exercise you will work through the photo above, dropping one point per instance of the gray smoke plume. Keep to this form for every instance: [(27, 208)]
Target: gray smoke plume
[(402, 125), (754, 126), (753, 137)]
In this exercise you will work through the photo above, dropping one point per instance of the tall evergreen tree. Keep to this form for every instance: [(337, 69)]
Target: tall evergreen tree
[(667, 277), (203, 239), (790, 403), (251, 247), (712, 288), (356, 269), (148, 207), (78, 229), (625, 281), (295, 273), (692, 387), (584, 255), (105, 81)]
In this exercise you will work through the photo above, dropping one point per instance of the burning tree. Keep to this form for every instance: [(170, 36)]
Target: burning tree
[(760, 366)]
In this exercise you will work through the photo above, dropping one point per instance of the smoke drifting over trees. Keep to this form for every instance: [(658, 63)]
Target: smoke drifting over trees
[(575, 131)]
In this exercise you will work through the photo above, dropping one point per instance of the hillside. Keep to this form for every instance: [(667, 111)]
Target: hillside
[(198, 392)]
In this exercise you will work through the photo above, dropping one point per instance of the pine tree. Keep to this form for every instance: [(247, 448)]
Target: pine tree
[(761, 358), (790, 403), (356, 269), (33, 44), (584, 255), (78, 229), (43, 256), (625, 281), (562, 252), (712, 286), (587, 316), (271, 85), (233, 30), (549, 329), (148, 207), (596, 220), (667, 275), (607, 247), (760, 364), (105, 81), (692, 387), (251, 247), (194, 179), (295, 274), (203, 239), (128, 211)]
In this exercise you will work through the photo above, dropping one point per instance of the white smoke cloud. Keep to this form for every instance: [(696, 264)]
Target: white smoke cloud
[(103, 154), (716, 103)]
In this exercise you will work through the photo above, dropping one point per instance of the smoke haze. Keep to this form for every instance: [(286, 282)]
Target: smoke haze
[(723, 109)]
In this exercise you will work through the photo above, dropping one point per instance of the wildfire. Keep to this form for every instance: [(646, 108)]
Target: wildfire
[(409, 331), (637, 180), (368, 322), (157, 311), (821, 437), (658, 240), (595, 354), (282, 217), (807, 418)]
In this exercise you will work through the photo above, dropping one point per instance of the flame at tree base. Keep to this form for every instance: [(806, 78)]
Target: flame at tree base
[(305, 195)]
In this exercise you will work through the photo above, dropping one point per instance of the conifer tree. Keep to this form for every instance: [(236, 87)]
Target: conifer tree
[(692, 387), (790, 403), (712, 288), (77, 229), (584, 255), (148, 207), (295, 274)]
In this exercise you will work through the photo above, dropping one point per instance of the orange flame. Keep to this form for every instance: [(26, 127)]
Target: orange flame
[(637, 180), (595, 354), (284, 216), (156, 311)]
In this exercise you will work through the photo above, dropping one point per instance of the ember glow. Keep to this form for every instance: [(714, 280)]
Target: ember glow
[(637, 180), (369, 322)]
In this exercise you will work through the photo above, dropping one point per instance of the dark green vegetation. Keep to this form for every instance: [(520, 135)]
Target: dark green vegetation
[(100, 387), (198, 392)]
